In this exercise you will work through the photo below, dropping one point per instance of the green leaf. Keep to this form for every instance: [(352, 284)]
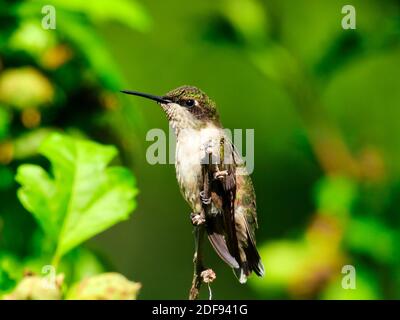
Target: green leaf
[(31, 37), (82, 197), (77, 21), (128, 12)]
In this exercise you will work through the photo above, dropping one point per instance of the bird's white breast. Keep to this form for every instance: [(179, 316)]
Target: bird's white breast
[(191, 148)]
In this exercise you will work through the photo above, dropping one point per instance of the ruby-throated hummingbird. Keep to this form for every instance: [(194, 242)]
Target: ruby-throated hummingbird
[(213, 178)]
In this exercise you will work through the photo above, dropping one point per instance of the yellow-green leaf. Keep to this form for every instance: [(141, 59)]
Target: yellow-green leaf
[(82, 196)]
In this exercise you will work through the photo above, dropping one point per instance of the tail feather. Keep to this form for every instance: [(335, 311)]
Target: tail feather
[(246, 260), (254, 261), (219, 245), (242, 273)]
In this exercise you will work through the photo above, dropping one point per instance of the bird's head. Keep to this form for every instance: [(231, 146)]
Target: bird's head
[(186, 107)]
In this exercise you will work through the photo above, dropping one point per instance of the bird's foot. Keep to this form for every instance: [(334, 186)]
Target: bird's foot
[(204, 199), (220, 174), (197, 219)]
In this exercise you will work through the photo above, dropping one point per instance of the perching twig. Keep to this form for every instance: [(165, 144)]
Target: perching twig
[(201, 274), (198, 263)]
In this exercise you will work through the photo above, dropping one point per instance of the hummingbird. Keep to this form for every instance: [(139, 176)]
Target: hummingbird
[(212, 178)]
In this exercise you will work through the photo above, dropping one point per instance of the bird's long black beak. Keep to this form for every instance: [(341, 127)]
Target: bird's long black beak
[(148, 96)]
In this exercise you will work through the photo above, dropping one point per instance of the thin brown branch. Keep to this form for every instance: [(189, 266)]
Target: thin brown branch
[(199, 275), (198, 263)]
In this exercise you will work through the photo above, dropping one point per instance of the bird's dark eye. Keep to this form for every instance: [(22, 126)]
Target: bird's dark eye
[(189, 103)]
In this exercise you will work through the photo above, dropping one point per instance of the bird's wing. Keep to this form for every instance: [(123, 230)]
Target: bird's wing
[(221, 216), (245, 206), (232, 218), (245, 196)]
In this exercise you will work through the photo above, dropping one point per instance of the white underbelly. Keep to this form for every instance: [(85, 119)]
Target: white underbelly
[(188, 172), (190, 150)]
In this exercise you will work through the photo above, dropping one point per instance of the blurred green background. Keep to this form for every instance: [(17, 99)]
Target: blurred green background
[(323, 101)]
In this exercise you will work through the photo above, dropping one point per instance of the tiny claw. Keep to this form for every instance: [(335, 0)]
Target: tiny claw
[(204, 199), (197, 219)]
